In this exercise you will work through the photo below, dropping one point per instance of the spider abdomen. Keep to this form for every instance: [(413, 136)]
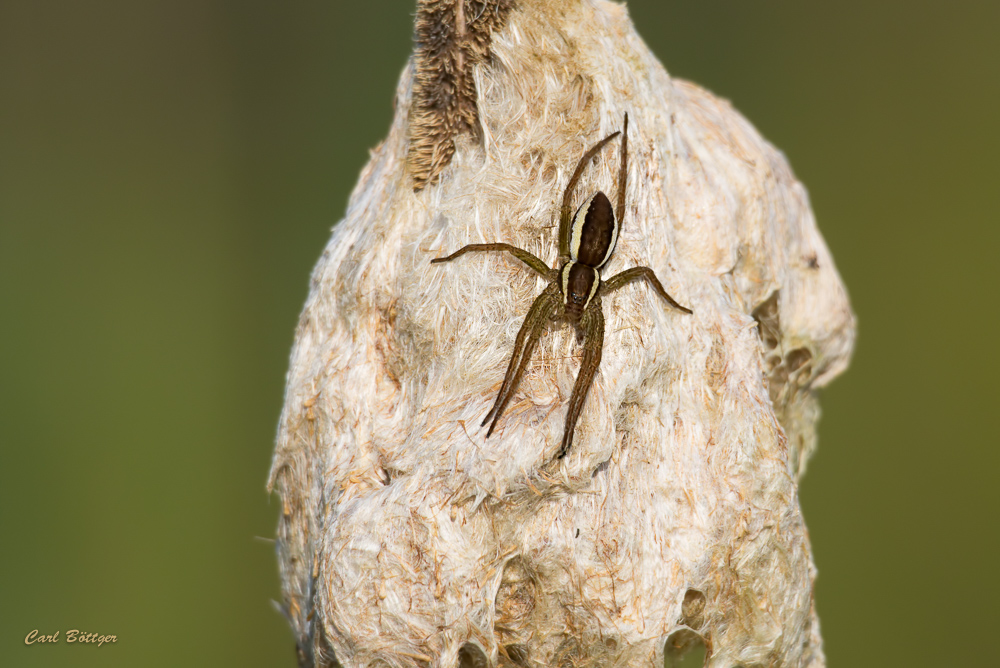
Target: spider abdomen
[(594, 232)]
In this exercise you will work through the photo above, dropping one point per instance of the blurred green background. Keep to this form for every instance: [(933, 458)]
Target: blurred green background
[(170, 171)]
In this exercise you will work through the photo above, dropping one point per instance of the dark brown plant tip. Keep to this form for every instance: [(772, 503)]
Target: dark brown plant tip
[(452, 37)]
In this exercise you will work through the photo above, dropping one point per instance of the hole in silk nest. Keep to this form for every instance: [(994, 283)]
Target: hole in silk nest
[(470, 656), (684, 649)]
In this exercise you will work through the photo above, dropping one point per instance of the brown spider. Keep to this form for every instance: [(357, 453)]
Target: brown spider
[(586, 241)]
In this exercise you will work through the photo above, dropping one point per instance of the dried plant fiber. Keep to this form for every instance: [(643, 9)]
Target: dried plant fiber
[(407, 538)]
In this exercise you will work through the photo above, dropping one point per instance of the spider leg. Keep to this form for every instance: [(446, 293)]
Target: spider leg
[(592, 324), (521, 254), (534, 325), (622, 176), (635, 274), (566, 214)]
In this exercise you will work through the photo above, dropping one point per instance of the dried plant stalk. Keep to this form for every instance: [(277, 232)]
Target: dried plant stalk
[(452, 38), (407, 539)]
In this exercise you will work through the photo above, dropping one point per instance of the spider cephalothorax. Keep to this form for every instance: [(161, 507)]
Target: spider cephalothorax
[(586, 241)]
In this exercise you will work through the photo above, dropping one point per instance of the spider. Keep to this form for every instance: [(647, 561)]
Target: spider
[(586, 241)]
